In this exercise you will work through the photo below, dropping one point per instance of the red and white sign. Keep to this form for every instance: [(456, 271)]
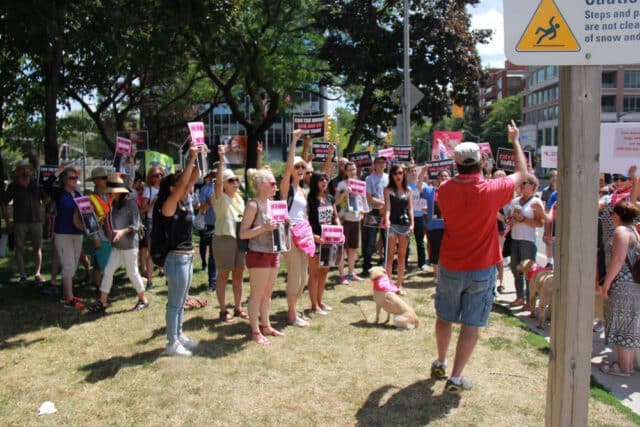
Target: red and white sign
[(197, 134), (279, 211), (549, 156), (357, 187), (123, 145), (84, 204), (619, 146), (332, 234), (387, 152)]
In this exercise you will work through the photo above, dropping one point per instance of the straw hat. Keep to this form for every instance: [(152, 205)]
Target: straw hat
[(115, 184)]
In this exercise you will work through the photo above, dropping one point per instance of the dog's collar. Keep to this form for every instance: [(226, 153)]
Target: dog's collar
[(383, 284), (535, 270)]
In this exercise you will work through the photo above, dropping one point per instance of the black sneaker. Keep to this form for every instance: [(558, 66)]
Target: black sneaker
[(453, 388), (23, 278), (439, 372), (141, 305), (211, 289), (149, 287)]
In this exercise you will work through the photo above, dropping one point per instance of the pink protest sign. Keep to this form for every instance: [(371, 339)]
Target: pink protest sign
[(303, 237), (357, 187), (197, 133), (279, 211), (83, 204), (387, 152), (332, 234), (123, 145)]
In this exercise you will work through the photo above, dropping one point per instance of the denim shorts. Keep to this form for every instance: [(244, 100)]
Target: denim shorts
[(465, 297)]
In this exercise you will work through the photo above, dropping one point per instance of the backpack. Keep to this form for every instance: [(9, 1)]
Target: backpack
[(160, 237)]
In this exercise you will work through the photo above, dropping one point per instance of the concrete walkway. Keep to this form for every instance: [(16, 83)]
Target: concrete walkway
[(626, 389)]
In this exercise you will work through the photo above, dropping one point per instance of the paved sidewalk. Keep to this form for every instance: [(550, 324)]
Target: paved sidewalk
[(626, 389)]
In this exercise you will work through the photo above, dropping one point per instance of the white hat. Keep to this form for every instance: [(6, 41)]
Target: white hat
[(228, 174), (115, 184), (298, 159), (467, 153)]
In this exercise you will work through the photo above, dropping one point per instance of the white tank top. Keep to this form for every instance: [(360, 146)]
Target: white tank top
[(520, 230), (298, 211)]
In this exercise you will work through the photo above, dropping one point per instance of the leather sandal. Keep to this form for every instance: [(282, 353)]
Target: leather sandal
[(225, 316), (260, 339), (517, 302), (238, 312), (268, 330)]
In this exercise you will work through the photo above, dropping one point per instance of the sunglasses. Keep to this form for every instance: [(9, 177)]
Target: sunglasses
[(323, 179), (72, 178), (298, 166), (272, 183), (619, 178), (309, 173), (233, 180)]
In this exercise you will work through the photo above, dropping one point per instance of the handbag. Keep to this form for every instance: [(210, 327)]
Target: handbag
[(243, 244), (199, 223), (506, 247)]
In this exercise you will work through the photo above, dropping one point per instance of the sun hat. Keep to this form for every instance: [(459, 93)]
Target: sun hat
[(99, 172), (22, 164), (467, 153), (298, 159), (228, 174), (115, 184)]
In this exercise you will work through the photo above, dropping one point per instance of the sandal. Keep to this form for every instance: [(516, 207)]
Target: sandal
[(97, 307), (517, 302), (225, 316), (39, 279), (501, 289), (238, 312), (613, 368), (300, 323), (268, 330), (141, 305), (260, 339)]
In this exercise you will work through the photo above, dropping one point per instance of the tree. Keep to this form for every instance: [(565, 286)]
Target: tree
[(262, 52), (502, 112), (363, 47)]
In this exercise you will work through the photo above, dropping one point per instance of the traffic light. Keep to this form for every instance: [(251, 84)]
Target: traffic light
[(388, 139), (327, 128), (458, 111)]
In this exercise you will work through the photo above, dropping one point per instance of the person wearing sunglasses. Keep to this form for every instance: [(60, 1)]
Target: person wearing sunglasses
[(229, 206), (525, 215), (67, 237), (624, 186), (262, 258)]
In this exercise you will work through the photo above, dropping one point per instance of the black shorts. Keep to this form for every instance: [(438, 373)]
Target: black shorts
[(435, 240)]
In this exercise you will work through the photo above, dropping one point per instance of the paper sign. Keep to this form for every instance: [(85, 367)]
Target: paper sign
[(549, 157), (418, 202), (619, 147), (235, 148), (443, 144), (197, 135), (84, 204), (123, 145), (87, 215), (310, 125), (361, 159), (45, 172), (358, 187), (330, 254), (155, 158), (437, 166), (320, 151), (139, 139), (332, 234), (386, 152), (507, 160), (279, 211), (402, 153), (281, 238)]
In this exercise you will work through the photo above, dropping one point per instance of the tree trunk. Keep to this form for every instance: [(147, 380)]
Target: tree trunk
[(363, 111)]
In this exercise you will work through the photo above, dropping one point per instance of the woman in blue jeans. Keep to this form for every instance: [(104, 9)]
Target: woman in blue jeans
[(178, 266)]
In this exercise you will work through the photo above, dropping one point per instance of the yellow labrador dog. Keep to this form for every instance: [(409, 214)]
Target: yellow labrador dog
[(540, 286), (384, 295)]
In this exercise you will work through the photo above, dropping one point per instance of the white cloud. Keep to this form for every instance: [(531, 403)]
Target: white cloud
[(488, 15)]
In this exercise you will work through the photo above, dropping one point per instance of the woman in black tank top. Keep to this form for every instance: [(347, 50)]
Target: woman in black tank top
[(178, 266)]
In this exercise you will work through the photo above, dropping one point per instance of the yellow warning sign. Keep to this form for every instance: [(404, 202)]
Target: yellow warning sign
[(548, 31)]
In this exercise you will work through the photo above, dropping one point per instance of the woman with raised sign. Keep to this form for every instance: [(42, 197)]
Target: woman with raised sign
[(399, 220), (263, 261)]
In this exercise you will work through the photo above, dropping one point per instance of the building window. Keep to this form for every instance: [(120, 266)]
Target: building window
[(609, 79), (555, 135), (631, 104), (540, 76), (608, 103), (632, 79)]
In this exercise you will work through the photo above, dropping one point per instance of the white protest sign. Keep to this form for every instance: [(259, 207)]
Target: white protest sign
[(549, 156), (386, 152), (123, 145), (279, 211), (619, 147)]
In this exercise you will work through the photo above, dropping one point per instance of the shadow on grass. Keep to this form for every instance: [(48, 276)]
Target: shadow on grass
[(18, 343), (367, 324), (412, 405), (108, 368)]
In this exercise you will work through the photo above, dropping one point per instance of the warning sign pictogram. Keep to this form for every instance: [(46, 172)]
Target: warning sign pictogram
[(547, 31)]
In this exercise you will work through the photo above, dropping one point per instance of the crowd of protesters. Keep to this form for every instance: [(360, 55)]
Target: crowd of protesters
[(451, 219)]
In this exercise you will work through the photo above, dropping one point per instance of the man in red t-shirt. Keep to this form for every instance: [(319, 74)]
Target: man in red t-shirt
[(469, 254)]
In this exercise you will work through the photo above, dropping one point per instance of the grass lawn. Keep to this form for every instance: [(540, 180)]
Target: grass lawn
[(108, 369)]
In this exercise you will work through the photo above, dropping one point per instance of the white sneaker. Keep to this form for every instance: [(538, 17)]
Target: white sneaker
[(176, 350), (187, 342), (425, 267)]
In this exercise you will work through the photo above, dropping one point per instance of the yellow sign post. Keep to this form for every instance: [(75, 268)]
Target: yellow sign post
[(547, 31)]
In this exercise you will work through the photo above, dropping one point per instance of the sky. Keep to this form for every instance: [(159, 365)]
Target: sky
[(488, 15)]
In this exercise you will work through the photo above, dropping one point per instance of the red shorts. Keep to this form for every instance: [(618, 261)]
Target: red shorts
[(262, 260)]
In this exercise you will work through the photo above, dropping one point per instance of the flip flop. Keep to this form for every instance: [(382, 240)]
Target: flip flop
[(39, 279), (613, 368)]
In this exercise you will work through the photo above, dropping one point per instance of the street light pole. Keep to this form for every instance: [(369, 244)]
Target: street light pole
[(406, 112), (84, 153)]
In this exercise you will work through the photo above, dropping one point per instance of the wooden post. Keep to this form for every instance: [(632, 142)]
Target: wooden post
[(572, 312)]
